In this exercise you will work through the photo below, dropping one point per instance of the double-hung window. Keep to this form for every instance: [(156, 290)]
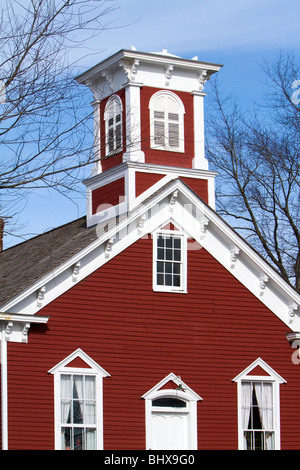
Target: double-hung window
[(258, 415), (78, 412), (169, 260), (113, 125), (167, 122), (78, 403), (259, 407)]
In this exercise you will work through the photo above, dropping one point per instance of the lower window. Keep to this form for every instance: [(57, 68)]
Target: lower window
[(78, 412), (78, 403), (258, 416), (258, 407)]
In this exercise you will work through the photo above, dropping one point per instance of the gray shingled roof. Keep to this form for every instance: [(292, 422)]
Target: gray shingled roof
[(26, 263)]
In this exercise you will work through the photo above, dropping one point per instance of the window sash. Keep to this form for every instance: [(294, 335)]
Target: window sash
[(169, 262), (167, 124), (78, 411), (258, 415), (113, 131)]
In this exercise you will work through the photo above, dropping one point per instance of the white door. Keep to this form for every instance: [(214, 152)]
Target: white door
[(169, 430)]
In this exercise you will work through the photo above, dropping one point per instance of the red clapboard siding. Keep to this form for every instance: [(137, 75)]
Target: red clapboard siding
[(206, 336), (162, 157), (200, 187), (110, 194), (144, 181)]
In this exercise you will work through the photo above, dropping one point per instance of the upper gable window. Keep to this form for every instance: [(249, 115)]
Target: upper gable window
[(113, 125), (169, 261), (166, 121)]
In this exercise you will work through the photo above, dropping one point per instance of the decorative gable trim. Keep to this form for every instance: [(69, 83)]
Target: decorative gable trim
[(182, 390), (271, 373), (62, 366)]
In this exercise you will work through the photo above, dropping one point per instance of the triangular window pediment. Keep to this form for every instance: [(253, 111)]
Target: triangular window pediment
[(77, 360), (259, 370)]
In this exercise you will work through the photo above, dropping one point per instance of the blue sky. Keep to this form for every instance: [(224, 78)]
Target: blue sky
[(238, 34)]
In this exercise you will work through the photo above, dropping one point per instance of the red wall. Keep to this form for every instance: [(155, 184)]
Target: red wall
[(144, 181), (111, 194), (207, 336)]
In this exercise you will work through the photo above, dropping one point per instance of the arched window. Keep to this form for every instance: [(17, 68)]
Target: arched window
[(113, 125), (166, 121), (171, 415)]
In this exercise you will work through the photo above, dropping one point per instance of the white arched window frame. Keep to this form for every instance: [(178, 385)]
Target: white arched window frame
[(78, 404), (166, 122), (113, 125), (183, 393), (259, 408)]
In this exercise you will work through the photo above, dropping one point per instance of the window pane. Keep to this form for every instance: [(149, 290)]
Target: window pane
[(176, 268), (78, 442), (77, 412), (90, 439), (66, 387), (177, 243), (160, 280), (160, 241), (160, 267), (173, 402), (90, 413), (90, 387), (66, 411), (78, 386), (169, 242), (168, 268), (177, 255), (66, 438)]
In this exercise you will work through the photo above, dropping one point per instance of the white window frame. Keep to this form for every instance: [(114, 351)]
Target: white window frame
[(183, 392), (113, 109), (272, 378), (183, 263), (169, 97), (92, 369)]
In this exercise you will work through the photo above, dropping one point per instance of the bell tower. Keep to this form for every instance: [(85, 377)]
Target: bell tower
[(148, 128)]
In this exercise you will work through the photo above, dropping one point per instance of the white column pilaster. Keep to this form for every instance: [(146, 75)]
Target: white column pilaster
[(133, 151)]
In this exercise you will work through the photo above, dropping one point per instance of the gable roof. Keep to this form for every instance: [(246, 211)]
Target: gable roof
[(36, 272), (23, 264)]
